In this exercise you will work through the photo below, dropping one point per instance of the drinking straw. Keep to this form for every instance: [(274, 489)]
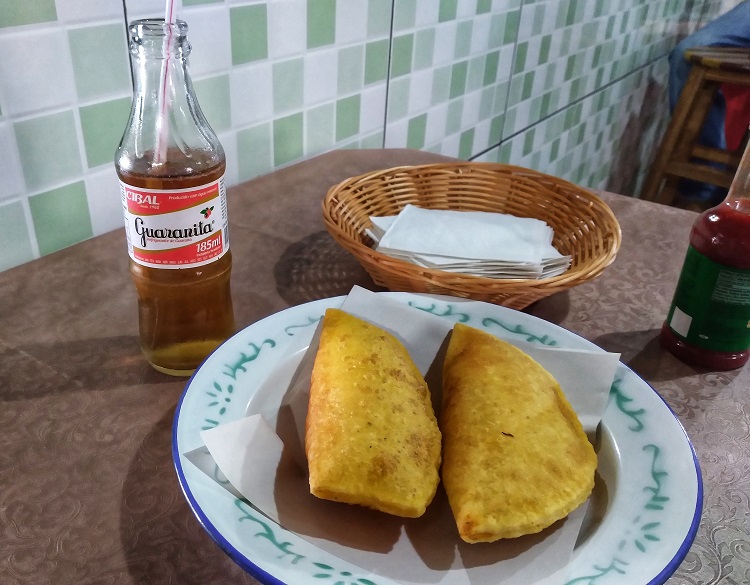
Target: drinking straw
[(163, 117)]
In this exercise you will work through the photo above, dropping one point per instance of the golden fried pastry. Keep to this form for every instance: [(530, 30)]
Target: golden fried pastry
[(515, 456), (371, 436)]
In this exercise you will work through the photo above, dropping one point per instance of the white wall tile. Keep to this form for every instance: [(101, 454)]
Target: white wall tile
[(420, 93), (105, 206), (150, 8), (229, 143), (321, 76), (480, 34), (287, 25), (208, 32), (251, 94), (372, 109), (445, 41), (36, 73), (351, 21), (427, 12), (86, 11), (436, 121)]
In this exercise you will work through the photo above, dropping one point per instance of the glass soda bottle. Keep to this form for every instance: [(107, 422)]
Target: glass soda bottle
[(171, 169), (708, 323)]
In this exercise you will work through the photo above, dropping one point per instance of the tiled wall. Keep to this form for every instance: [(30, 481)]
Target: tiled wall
[(574, 88)]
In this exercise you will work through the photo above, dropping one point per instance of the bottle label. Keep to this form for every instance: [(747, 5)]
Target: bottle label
[(711, 306), (178, 228)]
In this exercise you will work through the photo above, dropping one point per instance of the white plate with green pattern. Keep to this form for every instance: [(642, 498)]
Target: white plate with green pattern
[(641, 521)]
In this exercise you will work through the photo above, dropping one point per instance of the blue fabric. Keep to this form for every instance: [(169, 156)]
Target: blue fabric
[(731, 29)]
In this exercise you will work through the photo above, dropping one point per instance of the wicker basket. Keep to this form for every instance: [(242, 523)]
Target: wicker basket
[(584, 226)]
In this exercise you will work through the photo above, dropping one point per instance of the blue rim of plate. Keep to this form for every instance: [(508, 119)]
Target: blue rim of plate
[(269, 579)]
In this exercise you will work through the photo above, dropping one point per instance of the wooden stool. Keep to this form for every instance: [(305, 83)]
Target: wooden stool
[(679, 149)]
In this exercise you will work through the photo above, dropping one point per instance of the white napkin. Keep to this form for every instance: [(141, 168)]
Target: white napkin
[(482, 243)]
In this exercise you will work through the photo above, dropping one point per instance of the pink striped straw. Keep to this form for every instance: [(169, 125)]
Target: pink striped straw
[(163, 119)]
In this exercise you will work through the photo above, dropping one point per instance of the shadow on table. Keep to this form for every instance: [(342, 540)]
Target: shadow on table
[(100, 364), (161, 539), (316, 267), (643, 353)]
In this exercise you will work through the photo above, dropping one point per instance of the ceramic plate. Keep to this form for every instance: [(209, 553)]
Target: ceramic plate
[(638, 528)]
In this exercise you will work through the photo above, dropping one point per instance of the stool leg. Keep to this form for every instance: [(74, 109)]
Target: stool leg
[(682, 111)]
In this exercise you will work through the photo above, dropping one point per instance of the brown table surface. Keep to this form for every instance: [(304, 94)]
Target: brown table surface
[(88, 491)]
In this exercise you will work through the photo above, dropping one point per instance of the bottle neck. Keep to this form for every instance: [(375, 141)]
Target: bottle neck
[(739, 192), (167, 129)]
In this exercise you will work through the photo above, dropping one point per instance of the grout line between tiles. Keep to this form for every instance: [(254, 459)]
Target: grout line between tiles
[(388, 75)]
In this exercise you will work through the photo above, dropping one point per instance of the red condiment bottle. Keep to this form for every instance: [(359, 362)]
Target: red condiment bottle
[(708, 323)]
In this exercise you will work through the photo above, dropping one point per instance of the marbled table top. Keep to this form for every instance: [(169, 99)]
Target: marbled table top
[(88, 492)]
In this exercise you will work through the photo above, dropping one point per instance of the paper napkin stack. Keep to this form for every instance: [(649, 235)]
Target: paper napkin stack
[(480, 243)]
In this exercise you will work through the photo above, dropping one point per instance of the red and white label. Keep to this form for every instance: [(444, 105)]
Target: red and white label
[(177, 228)]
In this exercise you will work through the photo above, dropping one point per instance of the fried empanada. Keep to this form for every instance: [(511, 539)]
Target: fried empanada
[(515, 456), (371, 436)]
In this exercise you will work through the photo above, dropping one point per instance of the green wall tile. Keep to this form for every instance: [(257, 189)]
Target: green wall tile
[(497, 31), (538, 23), (61, 217), (458, 79), (496, 129), (347, 117), (490, 68), (213, 97), (424, 48), (379, 17), (520, 60), (100, 60), (402, 53), (376, 61), (463, 39), (528, 141), (404, 14), (20, 12), (398, 98), (350, 64), (48, 149), (448, 10), (416, 132), (512, 19), (288, 83), (319, 128), (505, 153), (287, 139), (321, 23), (475, 77), (544, 47), (441, 85), (528, 85), (554, 150), (254, 151), (466, 144), (484, 6), (373, 141), (249, 32), (15, 241), (102, 126)]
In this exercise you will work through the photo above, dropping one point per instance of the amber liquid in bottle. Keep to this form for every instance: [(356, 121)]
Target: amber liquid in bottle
[(186, 313)]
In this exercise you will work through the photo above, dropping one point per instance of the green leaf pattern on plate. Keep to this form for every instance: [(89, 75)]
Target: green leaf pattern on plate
[(644, 525)]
